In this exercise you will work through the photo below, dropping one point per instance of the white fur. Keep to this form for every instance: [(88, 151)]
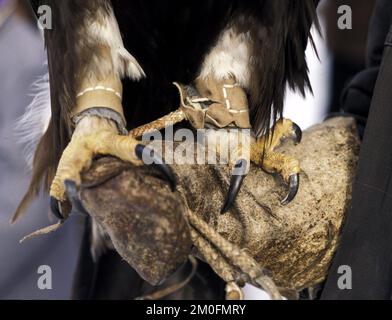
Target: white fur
[(229, 57), (105, 30), (33, 124)]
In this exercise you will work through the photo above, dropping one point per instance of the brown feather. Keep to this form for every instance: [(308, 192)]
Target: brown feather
[(280, 36), (44, 170), (68, 56)]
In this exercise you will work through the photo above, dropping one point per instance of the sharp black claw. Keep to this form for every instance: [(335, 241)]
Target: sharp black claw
[(235, 185), (73, 196), (298, 133), (142, 151), (293, 189), (55, 208)]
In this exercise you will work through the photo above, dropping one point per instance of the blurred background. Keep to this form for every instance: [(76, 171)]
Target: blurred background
[(22, 61)]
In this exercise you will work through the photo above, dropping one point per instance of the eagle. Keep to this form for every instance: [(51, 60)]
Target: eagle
[(112, 65)]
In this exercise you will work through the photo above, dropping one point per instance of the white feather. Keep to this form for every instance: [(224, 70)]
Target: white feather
[(105, 30), (30, 128), (229, 57)]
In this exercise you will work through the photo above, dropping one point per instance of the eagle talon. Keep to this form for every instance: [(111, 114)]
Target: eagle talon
[(55, 208), (293, 189), (297, 133), (74, 197), (158, 162), (235, 185), (286, 130)]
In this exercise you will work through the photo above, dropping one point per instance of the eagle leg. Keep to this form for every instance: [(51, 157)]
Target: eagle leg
[(263, 153), (79, 155)]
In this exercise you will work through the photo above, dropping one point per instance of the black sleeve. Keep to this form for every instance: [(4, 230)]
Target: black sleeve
[(357, 96), (365, 243)]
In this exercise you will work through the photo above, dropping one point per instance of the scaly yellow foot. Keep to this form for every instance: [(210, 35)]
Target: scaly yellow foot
[(95, 136), (263, 153)]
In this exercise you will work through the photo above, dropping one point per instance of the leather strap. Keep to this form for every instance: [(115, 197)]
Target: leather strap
[(94, 94)]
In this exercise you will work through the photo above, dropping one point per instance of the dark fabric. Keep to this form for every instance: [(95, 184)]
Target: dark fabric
[(366, 244), (357, 96)]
